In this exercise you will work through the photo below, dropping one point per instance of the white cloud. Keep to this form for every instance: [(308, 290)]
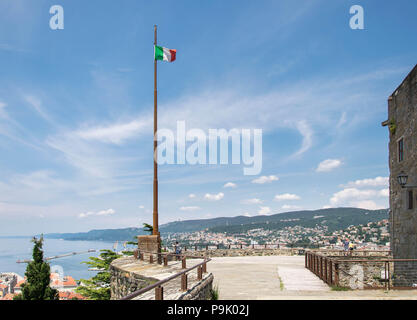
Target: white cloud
[(375, 182), (328, 165), (286, 196), (368, 204), (214, 197), (191, 208), (3, 113), (141, 207), (265, 179), (384, 193), (307, 134), (252, 201), (361, 198), (246, 214), (290, 207), (191, 196), (115, 133), (264, 210), (107, 212), (230, 185)]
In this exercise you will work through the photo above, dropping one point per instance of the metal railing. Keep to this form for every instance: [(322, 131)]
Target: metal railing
[(163, 258), (355, 272)]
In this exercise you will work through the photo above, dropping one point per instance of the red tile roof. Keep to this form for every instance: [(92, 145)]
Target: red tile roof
[(9, 296), (70, 295)]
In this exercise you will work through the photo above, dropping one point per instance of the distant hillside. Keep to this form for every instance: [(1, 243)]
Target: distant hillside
[(334, 218), (126, 234)]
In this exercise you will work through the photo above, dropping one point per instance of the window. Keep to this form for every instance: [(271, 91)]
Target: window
[(410, 199), (401, 150)]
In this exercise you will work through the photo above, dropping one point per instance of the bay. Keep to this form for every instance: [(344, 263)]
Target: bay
[(13, 249)]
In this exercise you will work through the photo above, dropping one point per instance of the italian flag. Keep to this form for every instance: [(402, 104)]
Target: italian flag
[(165, 54)]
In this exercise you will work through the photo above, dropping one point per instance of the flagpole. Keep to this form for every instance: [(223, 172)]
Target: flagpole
[(155, 165)]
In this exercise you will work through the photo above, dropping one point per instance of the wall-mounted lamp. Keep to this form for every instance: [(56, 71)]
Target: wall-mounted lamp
[(402, 179)]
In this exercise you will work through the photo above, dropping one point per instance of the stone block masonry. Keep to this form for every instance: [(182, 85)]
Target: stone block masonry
[(129, 275)]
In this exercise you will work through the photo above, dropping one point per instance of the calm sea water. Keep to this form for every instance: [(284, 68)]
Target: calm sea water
[(12, 250)]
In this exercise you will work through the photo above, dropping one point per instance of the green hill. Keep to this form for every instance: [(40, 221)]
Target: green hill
[(334, 218)]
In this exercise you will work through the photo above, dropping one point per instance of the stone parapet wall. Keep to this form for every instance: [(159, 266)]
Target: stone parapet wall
[(356, 270), (362, 275), (202, 291), (244, 252), (124, 282), (129, 274)]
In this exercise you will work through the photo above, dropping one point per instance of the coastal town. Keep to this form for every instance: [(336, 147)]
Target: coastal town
[(372, 236)]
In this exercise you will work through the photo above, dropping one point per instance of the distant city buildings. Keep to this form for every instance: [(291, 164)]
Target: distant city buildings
[(11, 285), (372, 236)]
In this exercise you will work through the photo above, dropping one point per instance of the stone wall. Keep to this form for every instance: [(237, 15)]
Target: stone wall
[(129, 275), (402, 113), (123, 282), (360, 270), (244, 252), (362, 275), (202, 291)]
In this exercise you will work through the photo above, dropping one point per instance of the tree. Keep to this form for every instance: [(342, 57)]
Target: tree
[(38, 275), (147, 228), (98, 287)]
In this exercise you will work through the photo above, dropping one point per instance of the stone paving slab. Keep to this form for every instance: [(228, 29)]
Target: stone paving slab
[(258, 278)]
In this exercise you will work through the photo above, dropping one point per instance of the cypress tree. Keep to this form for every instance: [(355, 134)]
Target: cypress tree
[(37, 277)]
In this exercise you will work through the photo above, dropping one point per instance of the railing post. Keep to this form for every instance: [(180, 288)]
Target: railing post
[(305, 262), (204, 267), (151, 258), (336, 273), (184, 263), (325, 269), (165, 260), (241, 246), (331, 272), (389, 277), (206, 248), (184, 282), (159, 293), (199, 273), (185, 248), (195, 248), (140, 256)]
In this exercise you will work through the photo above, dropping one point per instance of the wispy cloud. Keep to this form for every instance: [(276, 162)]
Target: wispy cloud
[(214, 197), (252, 201), (328, 165), (286, 196), (373, 182), (98, 213), (190, 208), (290, 207), (265, 179), (230, 185), (115, 133), (264, 210)]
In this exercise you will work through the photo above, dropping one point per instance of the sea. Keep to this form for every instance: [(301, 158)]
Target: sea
[(14, 249)]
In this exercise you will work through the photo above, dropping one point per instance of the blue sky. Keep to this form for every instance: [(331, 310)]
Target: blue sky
[(76, 107)]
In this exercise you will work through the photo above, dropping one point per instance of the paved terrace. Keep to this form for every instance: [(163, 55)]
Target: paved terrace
[(282, 278)]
